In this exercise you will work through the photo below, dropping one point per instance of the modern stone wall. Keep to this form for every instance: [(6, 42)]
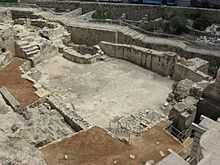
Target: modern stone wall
[(134, 12), (159, 62)]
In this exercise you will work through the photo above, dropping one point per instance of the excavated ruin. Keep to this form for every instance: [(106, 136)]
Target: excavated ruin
[(66, 80)]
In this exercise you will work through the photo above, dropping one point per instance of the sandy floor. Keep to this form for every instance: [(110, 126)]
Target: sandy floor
[(96, 147), (104, 90)]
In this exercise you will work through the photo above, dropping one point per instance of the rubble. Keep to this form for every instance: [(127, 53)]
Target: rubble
[(20, 137), (138, 122), (182, 105), (213, 29), (181, 90)]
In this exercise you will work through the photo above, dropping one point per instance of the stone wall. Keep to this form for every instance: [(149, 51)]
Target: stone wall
[(134, 12), (159, 62), (93, 35), (69, 114), (210, 104), (182, 72), (77, 57), (83, 35), (7, 46), (193, 69)]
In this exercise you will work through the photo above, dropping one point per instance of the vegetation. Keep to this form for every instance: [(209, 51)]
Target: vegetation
[(202, 22), (176, 25)]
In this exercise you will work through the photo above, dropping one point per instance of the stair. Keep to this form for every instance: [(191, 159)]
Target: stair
[(22, 43), (32, 52), (36, 58), (31, 48)]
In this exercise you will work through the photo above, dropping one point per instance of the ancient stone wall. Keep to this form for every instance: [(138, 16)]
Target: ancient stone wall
[(75, 56), (90, 36), (182, 72), (159, 62), (7, 47)]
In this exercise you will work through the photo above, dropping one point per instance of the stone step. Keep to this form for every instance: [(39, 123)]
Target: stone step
[(27, 37), (30, 45), (22, 43), (30, 49), (36, 59), (31, 53)]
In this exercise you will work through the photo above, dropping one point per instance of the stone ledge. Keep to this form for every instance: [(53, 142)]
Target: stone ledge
[(76, 122), (74, 56)]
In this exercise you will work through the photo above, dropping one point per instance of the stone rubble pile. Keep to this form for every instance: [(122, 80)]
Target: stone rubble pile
[(21, 136), (135, 123), (213, 41), (213, 29), (44, 125), (182, 102)]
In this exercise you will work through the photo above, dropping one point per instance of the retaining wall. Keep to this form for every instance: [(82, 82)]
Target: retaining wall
[(132, 11), (182, 72), (159, 62), (90, 36)]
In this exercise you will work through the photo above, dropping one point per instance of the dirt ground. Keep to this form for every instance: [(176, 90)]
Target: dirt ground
[(21, 89), (104, 90), (96, 147)]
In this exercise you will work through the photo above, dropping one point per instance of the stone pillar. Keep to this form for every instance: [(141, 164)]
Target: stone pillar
[(196, 150)]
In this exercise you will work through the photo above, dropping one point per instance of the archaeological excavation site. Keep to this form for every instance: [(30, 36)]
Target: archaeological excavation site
[(96, 83)]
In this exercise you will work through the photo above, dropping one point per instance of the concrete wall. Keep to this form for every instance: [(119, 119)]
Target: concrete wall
[(159, 62)]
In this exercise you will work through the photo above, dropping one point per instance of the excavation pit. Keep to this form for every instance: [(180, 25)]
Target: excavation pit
[(103, 90)]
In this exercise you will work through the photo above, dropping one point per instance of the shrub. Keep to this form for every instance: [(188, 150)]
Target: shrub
[(202, 22), (176, 25)]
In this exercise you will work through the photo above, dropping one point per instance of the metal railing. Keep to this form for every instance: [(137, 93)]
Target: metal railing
[(181, 135)]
